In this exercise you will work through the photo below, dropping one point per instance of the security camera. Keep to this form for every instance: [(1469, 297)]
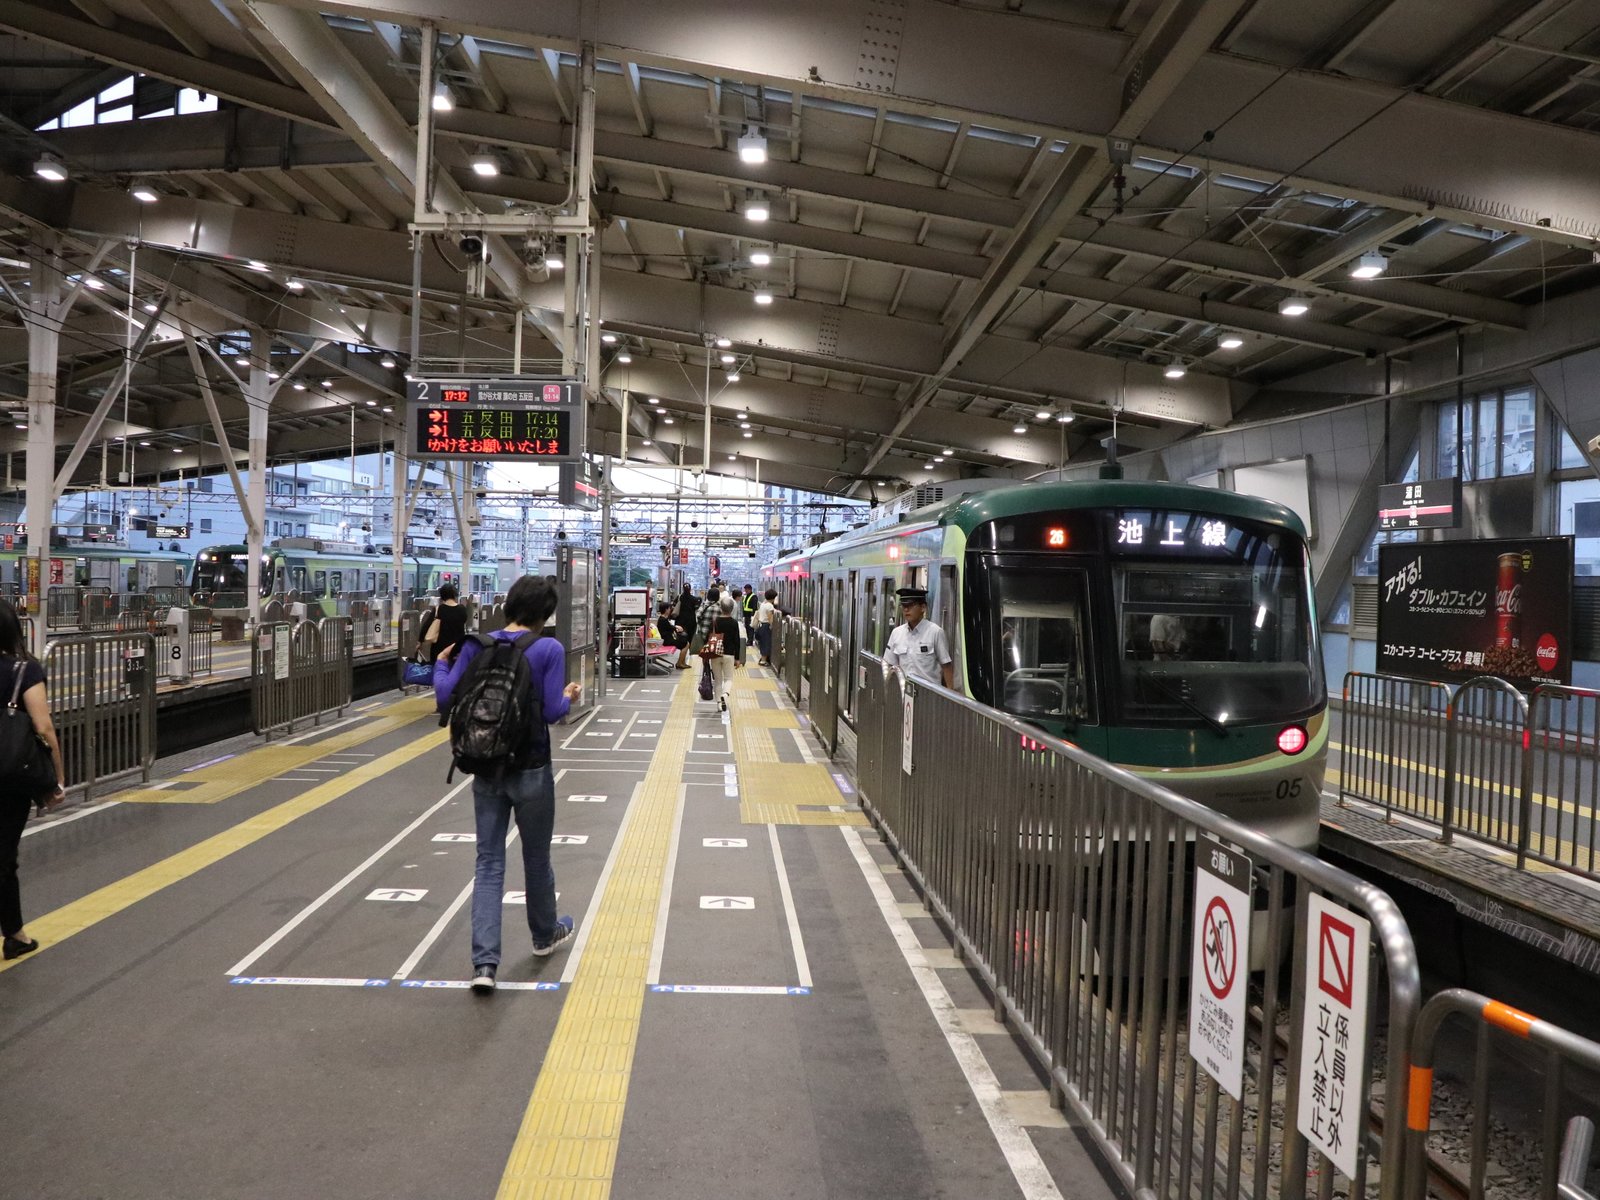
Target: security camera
[(472, 245)]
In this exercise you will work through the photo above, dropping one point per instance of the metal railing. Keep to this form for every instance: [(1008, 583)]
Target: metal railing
[(826, 669), (299, 672), (1564, 1150), (1064, 882), (85, 608), (1522, 773), (102, 690)]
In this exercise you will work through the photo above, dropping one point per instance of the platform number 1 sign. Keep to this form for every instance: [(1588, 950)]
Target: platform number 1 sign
[(1221, 964)]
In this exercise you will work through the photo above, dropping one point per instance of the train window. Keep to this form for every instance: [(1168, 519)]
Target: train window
[(319, 583), (949, 619), (297, 579), (869, 640), (1226, 642), (383, 583), (1043, 671), (336, 583)]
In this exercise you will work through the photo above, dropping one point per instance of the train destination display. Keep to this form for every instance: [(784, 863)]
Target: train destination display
[(518, 419), (1451, 610)]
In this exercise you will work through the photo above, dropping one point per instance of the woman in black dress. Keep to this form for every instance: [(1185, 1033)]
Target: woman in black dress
[(14, 809), (452, 618)]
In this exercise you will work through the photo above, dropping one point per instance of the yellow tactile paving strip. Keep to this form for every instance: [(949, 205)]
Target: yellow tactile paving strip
[(55, 927), (567, 1144), (772, 792), (229, 778)]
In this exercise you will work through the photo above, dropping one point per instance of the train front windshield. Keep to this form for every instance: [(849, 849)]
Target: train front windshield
[(225, 573), (1219, 630)]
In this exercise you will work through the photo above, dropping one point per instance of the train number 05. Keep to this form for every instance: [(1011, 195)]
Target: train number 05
[(1288, 788)]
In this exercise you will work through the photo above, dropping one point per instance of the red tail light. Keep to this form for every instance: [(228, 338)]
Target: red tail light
[(1293, 739)]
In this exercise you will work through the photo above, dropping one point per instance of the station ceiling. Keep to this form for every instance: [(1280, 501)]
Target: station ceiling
[(955, 249)]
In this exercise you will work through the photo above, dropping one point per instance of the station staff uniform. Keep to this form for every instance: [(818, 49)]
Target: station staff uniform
[(920, 650)]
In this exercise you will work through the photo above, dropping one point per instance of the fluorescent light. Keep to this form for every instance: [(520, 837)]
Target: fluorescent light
[(94, 283), (645, 442), (177, 449), (144, 193), (388, 408), (756, 208), (947, 452), (666, 420), (928, 466), (298, 386), (242, 361), (763, 295), (752, 146), (372, 404), (609, 339), (748, 434), (294, 285), (733, 377), (1044, 414), (387, 362), (727, 358), (1229, 341), (732, 457), (50, 167), (1019, 428), (255, 264), (443, 98), (554, 262), (724, 343), (1066, 417), (761, 256), (1370, 265), (624, 358), (1176, 369), (1294, 306), (327, 383), (151, 306), (485, 164)]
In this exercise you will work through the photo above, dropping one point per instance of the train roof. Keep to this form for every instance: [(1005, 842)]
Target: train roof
[(977, 508)]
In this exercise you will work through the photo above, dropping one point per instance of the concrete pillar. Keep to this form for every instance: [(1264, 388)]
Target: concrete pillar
[(44, 342)]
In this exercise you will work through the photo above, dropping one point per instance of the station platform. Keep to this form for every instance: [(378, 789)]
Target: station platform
[(254, 982)]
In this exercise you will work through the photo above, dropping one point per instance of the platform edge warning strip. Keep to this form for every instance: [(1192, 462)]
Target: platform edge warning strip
[(773, 792), (55, 927), (567, 1143)]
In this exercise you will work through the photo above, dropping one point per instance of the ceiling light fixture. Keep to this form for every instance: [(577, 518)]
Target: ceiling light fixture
[(624, 358), (726, 359), (666, 420), (151, 306), (1294, 306), (50, 167), (645, 442), (387, 362), (929, 465), (1044, 414), (1229, 341), (1176, 369), (1370, 265), (724, 343), (144, 193), (748, 434), (327, 383), (763, 295), (947, 452), (94, 283), (294, 285), (256, 264), (298, 386), (761, 256), (757, 208), (242, 361), (485, 164), (443, 98), (554, 262), (733, 377), (752, 145), (1019, 428), (1066, 417), (372, 404), (609, 339)]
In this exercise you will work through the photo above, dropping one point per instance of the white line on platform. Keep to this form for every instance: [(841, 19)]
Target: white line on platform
[(626, 730), (805, 748), (1027, 1167), (306, 737), (244, 963), (75, 815), (579, 729), (729, 989), (658, 945), (801, 966), (570, 972), (320, 770)]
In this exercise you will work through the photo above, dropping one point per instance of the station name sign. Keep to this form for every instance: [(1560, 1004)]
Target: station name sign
[(520, 419), (1430, 504)]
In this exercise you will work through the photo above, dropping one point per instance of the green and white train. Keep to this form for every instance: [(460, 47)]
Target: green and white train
[(321, 574), (1047, 593)]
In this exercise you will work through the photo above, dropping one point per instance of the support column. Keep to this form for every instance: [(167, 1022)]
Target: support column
[(258, 399), (44, 342), (603, 667)]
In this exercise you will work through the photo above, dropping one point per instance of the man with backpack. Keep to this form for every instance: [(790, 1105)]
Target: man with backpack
[(500, 695)]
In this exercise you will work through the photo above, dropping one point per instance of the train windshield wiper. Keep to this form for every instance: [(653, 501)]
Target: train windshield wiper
[(1167, 688)]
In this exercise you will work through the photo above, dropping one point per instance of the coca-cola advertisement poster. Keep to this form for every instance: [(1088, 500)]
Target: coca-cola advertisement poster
[(1452, 610)]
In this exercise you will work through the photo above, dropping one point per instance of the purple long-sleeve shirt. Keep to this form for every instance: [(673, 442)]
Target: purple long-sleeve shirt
[(546, 658)]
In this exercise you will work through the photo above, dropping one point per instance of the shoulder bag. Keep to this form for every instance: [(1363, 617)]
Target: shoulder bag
[(25, 763)]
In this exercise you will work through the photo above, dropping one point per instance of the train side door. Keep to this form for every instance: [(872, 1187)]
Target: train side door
[(849, 644), (948, 618)]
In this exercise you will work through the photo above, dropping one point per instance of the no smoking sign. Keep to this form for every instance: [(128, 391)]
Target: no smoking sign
[(1221, 956)]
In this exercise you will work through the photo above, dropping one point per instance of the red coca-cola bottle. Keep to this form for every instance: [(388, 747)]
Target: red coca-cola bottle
[(1508, 603)]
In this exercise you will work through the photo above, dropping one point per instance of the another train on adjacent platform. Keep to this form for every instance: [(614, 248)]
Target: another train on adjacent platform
[(1048, 594), (321, 573)]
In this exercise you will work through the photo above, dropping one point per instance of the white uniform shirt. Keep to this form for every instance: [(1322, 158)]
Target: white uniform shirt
[(764, 613), (918, 652)]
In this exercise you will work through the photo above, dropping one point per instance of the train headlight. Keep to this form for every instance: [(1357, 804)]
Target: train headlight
[(1293, 738)]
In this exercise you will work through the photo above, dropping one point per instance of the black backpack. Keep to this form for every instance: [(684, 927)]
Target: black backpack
[(496, 716)]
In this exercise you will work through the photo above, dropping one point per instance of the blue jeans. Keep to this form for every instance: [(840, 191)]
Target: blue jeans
[(764, 640), (531, 797)]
